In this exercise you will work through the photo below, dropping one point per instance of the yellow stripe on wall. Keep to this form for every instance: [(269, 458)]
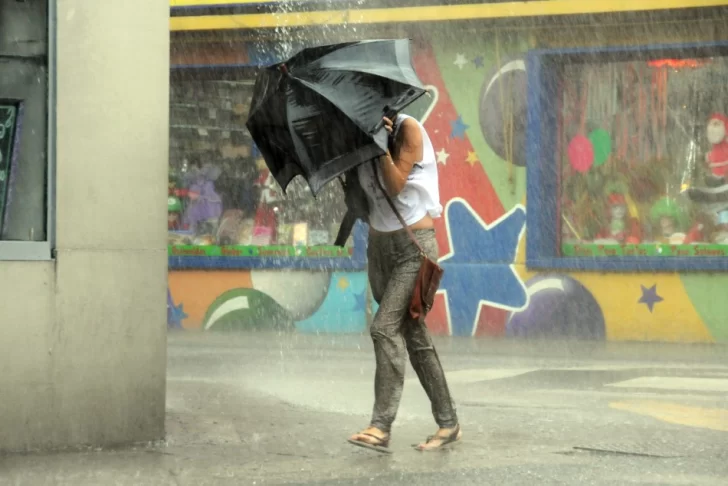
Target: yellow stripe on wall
[(417, 14), (210, 3)]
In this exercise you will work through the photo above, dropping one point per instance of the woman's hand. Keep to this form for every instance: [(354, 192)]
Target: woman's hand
[(389, 126)]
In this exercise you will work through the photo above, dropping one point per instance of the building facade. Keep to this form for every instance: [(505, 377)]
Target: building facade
[(580, 153), (83, 164)]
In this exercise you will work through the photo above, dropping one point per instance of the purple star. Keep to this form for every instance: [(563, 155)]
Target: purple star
[(650, 297), (478, 61)]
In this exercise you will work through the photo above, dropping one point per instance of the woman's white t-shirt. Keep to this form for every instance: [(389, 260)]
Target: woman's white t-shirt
[(419, 197)]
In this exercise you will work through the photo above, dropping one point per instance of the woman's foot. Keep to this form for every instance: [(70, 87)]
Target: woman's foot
[(371, 438), (442, 438)]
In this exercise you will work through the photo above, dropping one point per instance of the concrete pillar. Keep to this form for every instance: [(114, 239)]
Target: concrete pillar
[(83, 346)]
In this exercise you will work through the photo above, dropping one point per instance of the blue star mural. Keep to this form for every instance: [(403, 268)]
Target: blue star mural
[(458, 127), (478, 61), (360, 302), (650, 297), (175, 314), (479, 268)]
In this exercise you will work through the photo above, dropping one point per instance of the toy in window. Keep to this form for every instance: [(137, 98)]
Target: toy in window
[(669, 221), (205, 206), (623, 224), (717, 158)]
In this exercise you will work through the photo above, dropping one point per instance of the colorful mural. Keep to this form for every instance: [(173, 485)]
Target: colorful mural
[(487, 289), (490, 178), (268, 299)]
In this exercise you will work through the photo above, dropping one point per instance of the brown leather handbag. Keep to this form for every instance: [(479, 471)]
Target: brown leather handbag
[(430, 274)]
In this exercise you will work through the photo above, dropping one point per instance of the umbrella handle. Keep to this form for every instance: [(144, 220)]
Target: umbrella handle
[(388, 113), (379, 126), (391, 111)]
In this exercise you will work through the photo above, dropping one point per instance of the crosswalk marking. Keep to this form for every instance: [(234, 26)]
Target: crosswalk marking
[(705, 418), (474, 376), (675, 383)]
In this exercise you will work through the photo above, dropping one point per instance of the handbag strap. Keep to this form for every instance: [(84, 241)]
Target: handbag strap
[(395, 210)]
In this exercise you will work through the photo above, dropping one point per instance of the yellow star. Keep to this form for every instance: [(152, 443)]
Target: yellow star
[(472, 158), (343, 283)]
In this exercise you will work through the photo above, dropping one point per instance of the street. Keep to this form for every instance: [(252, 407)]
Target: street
[(269, 408)]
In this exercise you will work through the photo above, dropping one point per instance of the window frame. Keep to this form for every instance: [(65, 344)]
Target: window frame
[(42, 250), (542, 170)]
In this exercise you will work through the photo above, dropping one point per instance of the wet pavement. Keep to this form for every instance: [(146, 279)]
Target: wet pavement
[(269, 408)]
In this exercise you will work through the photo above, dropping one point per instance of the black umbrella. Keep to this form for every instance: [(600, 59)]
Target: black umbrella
[(319, 114)]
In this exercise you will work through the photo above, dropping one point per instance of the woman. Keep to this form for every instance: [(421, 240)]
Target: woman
[(409, 175)]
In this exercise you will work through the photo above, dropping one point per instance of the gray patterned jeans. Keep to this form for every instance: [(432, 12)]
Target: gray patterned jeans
[(394, 262)]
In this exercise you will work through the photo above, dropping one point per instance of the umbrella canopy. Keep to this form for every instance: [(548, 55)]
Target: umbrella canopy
[(319, 114)]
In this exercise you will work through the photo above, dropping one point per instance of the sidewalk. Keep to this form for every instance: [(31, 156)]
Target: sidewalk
[(272, 408)]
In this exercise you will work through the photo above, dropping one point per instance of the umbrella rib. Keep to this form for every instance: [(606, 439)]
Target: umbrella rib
[(310, 85), (401, 50), (410, 80), (255, 108)]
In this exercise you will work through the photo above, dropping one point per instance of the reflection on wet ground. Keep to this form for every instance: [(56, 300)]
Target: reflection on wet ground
[(268, 408)]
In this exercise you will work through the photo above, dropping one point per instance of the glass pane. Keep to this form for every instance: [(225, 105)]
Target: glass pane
[(8, 124), (220, 191), (24, 119), (644, 158)]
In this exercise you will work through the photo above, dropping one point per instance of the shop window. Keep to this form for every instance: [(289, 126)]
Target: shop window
[(24, 122), (224, 207), (629, 158)]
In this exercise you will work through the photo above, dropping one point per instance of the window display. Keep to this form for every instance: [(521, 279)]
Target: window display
[(643, 158), (222, 200)]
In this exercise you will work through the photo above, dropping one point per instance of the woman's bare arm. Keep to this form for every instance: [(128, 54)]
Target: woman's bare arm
[(396, 167)]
